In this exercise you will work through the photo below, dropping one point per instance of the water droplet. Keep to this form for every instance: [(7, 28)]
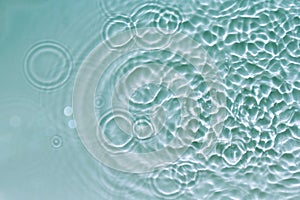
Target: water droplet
[(68, 111), (72, 124)]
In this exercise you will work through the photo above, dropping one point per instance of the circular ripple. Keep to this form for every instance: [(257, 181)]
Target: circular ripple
[(92, 133), (56, 141), (117, 25), (168, 21), (47, 65), (143, 129), (173, 181), (115, 138), (164, 184)]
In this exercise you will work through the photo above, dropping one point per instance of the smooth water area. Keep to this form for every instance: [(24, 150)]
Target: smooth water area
[(149, 99)]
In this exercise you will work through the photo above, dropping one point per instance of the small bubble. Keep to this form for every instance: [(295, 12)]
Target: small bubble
[(56, 141), (68, 111), (72, 124)]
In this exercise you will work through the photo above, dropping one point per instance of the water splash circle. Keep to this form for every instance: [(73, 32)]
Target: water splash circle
[(91, 131), (47, 65)]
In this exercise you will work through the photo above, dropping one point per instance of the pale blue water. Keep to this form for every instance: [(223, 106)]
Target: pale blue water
[(149, 99)]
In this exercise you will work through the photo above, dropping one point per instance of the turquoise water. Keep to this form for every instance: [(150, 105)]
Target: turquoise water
[(149, 99)]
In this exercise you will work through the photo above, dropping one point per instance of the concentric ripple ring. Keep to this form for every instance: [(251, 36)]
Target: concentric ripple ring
[(83, 103), (47, 65)]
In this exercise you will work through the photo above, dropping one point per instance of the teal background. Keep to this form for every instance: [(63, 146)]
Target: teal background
[(255, 46)]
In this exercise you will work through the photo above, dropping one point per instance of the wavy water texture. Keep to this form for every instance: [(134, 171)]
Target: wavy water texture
[(157, 100), (254, 48)]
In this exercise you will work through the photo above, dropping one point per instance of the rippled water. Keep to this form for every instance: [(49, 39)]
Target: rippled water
[(150, 99)]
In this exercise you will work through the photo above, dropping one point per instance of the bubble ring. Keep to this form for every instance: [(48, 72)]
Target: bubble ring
[(87, 124)]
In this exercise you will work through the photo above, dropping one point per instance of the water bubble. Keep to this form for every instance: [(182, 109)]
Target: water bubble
[(68, 111), (72, 124), (47, 65)]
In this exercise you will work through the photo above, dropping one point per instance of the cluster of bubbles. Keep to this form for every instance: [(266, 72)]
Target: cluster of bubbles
[(68, 112)]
